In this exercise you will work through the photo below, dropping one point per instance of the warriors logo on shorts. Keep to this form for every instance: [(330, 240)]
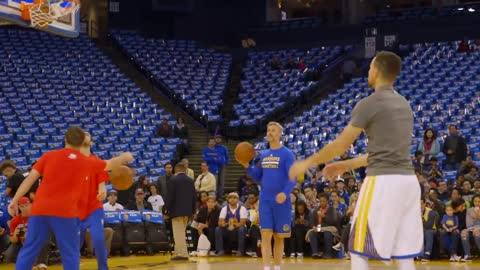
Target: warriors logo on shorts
[(286, 228)]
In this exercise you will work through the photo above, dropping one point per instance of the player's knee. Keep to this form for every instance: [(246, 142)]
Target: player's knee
[(464, 233), (476, 232)]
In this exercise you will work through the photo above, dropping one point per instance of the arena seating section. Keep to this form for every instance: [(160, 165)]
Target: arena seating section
[(265, 90), (48, 83), (441, 84), (195, 77), (401, 15)]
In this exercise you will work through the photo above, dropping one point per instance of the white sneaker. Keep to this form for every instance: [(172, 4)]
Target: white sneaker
[(299, 255), (212, 253), (292, 256), (455, 258), (466, 259), (338, 246), (41, 267), (346, 256)]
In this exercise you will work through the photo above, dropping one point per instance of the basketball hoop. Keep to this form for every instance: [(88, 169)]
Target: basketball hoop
[(44, 12)]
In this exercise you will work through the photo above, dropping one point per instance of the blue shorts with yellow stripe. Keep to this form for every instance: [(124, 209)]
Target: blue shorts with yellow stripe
[(276, 217)]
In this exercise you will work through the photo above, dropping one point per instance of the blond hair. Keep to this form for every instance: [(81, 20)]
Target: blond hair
[(272, 123)]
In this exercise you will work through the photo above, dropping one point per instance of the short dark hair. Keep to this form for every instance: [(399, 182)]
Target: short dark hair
[(7, 164), (180, 167), (75, 136), (452, 125), (456, 203), (389, 65), (418, 153), (323, 195), (168, 163), (204, 162)]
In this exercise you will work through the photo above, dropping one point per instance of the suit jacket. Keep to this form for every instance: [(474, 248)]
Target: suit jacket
[(181, 199), (162, 185), (461, 151)]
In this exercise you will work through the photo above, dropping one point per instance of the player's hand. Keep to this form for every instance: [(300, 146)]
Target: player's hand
[(299, 167), (101, 196), (334, 169), (13, 208), (127, 157), (281, 197)]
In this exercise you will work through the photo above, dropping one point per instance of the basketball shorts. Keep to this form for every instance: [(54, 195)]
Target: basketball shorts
[(276, 217), (387, 223)]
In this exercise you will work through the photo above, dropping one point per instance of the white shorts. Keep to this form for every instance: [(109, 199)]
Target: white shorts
[(387, 222)]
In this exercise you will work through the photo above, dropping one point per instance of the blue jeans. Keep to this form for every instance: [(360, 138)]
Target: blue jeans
[(94, 222), (327, 240), (67, 236), (223, 234), (428, 236), (454, 237), (466, 243)]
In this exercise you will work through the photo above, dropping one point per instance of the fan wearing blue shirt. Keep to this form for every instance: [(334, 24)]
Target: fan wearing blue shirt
[(275, 211), (223, 159), (210, 155)]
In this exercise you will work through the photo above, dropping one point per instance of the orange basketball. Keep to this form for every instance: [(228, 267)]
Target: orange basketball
[(244, 152), (122, 178)]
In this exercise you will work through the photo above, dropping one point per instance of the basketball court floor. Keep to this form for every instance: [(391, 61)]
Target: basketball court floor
[(163, 262)]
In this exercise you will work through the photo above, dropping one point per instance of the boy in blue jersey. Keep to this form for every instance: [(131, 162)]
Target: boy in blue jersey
[(274, 206)]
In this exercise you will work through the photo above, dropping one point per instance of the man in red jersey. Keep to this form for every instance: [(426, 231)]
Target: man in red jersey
[(91, 208), (64, 171)]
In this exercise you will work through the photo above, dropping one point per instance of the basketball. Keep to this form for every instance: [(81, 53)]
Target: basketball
[(121, 178), (244, 152)]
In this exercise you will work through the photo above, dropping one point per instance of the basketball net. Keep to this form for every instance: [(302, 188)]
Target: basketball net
[(44, 12)]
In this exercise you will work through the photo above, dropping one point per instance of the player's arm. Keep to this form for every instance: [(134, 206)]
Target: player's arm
[(289, 185), (336, 148), (254, 170), (102, 191), (25, 186), (116, 162)]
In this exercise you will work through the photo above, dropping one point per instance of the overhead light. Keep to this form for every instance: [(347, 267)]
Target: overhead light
[(471, 10)]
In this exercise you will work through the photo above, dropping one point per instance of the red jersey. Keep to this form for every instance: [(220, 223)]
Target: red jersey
[(88, 202), (64, 171)]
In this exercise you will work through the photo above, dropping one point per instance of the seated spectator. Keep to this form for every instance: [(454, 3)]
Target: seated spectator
[(290, 63), (112, 204), (467, 165), (164, 130), (434, 203), (472, 176), (310, 198), (301, 64), (345, 236), (180, 130), (443, 193), (316, 183), (351, 185), (276, 64), (336, 204), (418, 161), (140, 204), (250, 187), (450, 225), (293, 202), (254, 230), (429, 218), (301, 225), (476, 186), (108, 232), (19, 229), (206, 181), (429, 146), (252, 200), (467, 193), (207, 220), (142, 184), (190, 172), (456, 195), (325, 222), (4, 232), (472, 228), (300, 196), (434, 171), (202, 199), (231, 226), (463, 46), (155, 199), (342, 193), (14, 177)]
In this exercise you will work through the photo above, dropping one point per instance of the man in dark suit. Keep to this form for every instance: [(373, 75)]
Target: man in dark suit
[(455, 149), (180, 206), (162, 182)]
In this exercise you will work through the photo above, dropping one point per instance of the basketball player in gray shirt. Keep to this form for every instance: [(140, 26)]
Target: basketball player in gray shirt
[(386, 223)]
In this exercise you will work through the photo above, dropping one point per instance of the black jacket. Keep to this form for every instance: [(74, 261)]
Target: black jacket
[(132, 205), (211, 218), (332, 218), (181, 198), (460, 153)]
